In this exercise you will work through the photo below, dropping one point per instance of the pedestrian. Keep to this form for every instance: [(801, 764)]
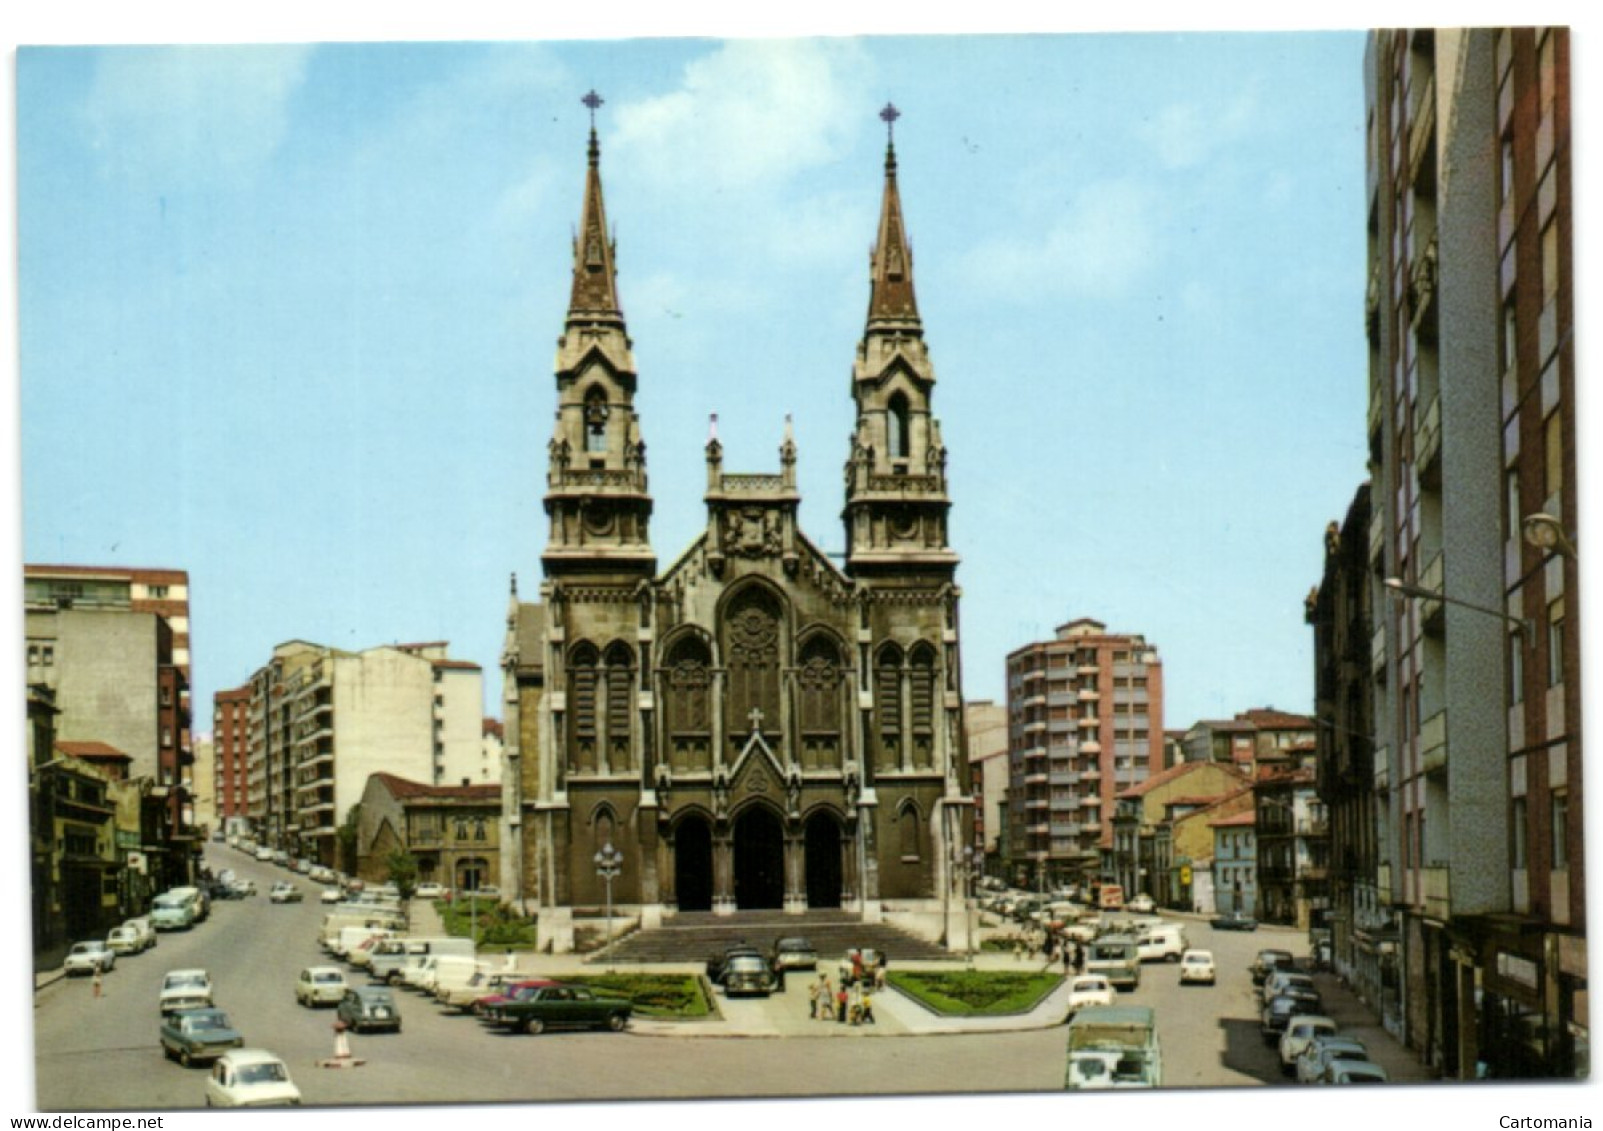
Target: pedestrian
[(854, 1004), (1068, 957), (868, 1008), (95, 983), (840, 1006), (879, 972)]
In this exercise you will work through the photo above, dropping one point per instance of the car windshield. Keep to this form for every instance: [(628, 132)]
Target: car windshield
[(377, 997), (328, 977), (270, 1072), (1198, 959), (745, 962), (184, 981), (211, 1020)]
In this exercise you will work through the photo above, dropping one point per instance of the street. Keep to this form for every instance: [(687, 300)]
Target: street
[(104, 1054)]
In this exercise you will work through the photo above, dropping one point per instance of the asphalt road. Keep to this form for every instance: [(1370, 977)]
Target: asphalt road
[(94, 1055)]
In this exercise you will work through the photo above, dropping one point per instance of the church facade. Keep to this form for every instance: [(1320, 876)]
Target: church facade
[(754, 727)]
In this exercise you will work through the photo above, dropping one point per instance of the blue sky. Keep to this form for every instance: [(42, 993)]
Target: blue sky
[(287, 319)]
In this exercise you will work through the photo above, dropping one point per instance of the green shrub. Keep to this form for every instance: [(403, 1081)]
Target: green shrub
[(653, 995), (968, 993)]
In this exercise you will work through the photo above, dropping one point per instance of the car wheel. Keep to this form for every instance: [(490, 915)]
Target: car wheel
[(534, 1026), (183, 1058), (616, 1022), (1171, 957)]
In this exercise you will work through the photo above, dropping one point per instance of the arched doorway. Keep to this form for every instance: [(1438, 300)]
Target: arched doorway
[(759, 845), (692, 865), (823, 860)]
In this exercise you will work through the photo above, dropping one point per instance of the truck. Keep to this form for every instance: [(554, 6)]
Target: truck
[(1116, 958), (1113, 1047), (1110, 897)]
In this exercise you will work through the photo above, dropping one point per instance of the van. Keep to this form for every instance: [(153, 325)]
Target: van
[(454, 971), (1115, 958), (175, 910), (1163, 943), (1114, 1047), (395, 954), (348, 937)]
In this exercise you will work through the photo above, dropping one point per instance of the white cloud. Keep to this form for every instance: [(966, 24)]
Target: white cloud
[(751, 112), (1103, 243), (1186, 134), (192, 112)]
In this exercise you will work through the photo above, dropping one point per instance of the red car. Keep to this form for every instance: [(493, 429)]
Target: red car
[(508, 993)]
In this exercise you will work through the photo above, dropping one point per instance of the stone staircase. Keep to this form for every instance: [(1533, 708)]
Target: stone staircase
[(693, 936)]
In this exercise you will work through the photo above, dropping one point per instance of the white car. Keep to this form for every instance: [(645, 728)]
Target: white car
[(284, 892), (185, 989), (1141, 905), (320, 985), (430, 891), (1299, 1032), (331, 895), (124, 941), (1089, 989), (1197, 966), (89, 957), (141, 927), (250, 1078)]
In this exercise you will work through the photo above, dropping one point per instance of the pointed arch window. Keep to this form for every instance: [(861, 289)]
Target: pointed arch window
[(888, 705), (689, 706), (596, 412), (908, 832), (583, 677), (619, 707), (819, 681), (921, 701), (751, 643), (897, 439)]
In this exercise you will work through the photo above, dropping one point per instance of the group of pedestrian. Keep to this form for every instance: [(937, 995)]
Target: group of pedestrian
[(852, 1002)]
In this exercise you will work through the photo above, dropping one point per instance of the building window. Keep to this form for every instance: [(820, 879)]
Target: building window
[(1549, 261), (1518, 830), (1506, 181), (1512, 511), (1555, 642), (896, 427), (1561, 830), (1546, 72), (1553, 454), (1516, 668), (1510, 338), (157, 592), (595, 421)]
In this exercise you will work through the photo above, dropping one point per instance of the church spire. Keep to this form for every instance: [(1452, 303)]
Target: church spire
[(595, 278), (891, 302)]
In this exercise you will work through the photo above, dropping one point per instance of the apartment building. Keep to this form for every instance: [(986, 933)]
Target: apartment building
[(230, 745), (1472, 446), (320, 721), (1085, 722), (985, 722), (1292, 833)]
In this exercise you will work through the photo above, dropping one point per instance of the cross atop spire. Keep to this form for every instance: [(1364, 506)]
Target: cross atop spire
[(594, 101), (889, 116)]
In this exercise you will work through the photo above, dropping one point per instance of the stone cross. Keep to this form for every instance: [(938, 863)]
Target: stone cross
[(756, 718)]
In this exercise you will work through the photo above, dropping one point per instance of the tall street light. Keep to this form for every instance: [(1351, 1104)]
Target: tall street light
[(609, 862), (1524, 627), (1547, 533), (968, 861)]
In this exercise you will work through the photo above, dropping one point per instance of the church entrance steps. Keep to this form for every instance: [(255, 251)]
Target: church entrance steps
[(692, 937)]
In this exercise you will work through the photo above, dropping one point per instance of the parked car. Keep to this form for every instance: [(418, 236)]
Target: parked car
[(1286, 981), (749, 973), (501, 992), (89, 957), (250, 1078), (1141, 904), (1233, 921), (331, 895), (370, 1007), (123, 941), (242, 889), (1197, 966), (185, 989), (196, 1035), (142, 927), (430, 890), (1165, 942), (320, 874), (554, 1005), (284, 892), (718, 964), (482, 984), (320, 985), (1089, 989), (794, 954), (264, 854), (1300, 1033), (1344, 1071), (1321, 1050), (1278, 1010), (1268, 960)]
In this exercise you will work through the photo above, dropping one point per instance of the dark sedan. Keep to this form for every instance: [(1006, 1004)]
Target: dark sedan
[(197, 1035), (558, 1006), (1235, 921), (370, 1007), (1278, 1010)]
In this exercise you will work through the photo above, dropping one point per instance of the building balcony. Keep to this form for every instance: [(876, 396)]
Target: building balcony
[(1042, 829), (1089, 722), (1037, 803), (1431, 612), (1090, 746), (1428, 443), (1087, 669), (1438, 897), (1037, 724), (1089, 695), (1433, 742), (1063, 777), (1382, 769), (1035, 779), (1377, 650)]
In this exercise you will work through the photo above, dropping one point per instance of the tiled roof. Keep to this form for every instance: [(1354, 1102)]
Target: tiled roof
[(92, 751), (1163, 777), (459, 665), (1267, 718), (403, 790), (1249, 817)]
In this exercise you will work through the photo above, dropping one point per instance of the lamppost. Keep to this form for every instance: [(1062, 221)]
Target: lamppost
[(1547, 533), (968, 861), (609, 862), (1525, 628)]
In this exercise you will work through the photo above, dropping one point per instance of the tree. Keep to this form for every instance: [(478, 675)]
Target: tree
[(346, 837), (403, 872)]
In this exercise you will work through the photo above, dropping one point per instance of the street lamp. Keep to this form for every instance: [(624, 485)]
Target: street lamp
[(968, 861), (609, 862), (1524, 627), (1546, 533)]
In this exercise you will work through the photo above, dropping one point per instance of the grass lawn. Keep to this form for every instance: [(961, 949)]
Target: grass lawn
[(672, 996), (975, 993), (498, 927)]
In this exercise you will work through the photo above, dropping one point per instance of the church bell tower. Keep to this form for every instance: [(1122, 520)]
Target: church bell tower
[(896, 500), (596, 492)]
